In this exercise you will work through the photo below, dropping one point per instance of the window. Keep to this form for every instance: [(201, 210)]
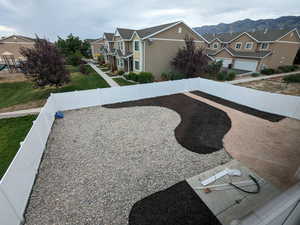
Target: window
[(215, 45), (264, 46), (179, 30), (249, 45), (136, 65), (238, 45), (136, 45)]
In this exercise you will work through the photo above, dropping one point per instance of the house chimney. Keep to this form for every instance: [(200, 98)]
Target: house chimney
[(266, 30)]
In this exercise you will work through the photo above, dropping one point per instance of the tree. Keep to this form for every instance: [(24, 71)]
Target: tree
[(72, 45), (44, 64), (190, 60)]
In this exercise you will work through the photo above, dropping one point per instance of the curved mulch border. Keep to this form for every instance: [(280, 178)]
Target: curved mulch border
[(202, 126), (177, 205), (242, 108)]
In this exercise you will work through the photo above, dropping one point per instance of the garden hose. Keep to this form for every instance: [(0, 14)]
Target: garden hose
[(249, 192)]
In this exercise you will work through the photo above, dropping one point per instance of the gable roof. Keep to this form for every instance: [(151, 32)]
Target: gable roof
[(24, 38), (125, 33), (109, 36), (259, 35), (268, 35), (242, 54), (142, 33)]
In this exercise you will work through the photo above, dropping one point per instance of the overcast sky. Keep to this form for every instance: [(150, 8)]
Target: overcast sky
[(90, 18)]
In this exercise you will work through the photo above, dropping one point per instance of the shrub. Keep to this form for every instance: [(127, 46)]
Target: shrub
[(131, 76), (295, 78), (45, 64), (255, 74), (85, 69), (222, 76), (230, 75), (100, 59), (82, 69), (267, 71), (75, 59), (121, 72), (190, 60), (286, 69), (173, 76), (145, 77), (214, 68)]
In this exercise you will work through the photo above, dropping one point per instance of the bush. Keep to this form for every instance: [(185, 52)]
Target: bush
[(295, 78), (230, 75), (85, 69), (267, 71), (145, 77), (75, 59), (255, 74), (286, 69), (221, 76), (190, 60), (45, 64), (131, 76), (121, 72), (215, 67), (82, 69), (173, 76), (142, 77)]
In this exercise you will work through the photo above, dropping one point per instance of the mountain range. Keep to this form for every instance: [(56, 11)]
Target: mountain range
[(251, 25)]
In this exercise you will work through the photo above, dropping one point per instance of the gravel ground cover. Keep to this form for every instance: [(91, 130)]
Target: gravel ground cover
[(99, 162)]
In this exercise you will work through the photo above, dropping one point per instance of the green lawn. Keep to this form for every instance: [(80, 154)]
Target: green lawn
[(12, 132), (24, 92), (123, 82)]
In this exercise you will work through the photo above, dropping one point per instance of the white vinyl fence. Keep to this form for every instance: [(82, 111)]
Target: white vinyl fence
[(16, 184)]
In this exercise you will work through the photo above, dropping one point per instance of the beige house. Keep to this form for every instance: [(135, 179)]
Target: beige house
[(97, 47), (10, 46), (150, 49), (253, 51)]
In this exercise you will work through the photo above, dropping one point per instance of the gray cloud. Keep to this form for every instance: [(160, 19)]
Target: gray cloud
[(89, 19)]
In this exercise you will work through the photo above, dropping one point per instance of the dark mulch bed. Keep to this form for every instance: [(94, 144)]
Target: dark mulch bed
[(177, 205), (202, 126), (245, 109)]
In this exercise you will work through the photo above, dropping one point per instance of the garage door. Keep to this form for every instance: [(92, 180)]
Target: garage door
[(249, 65), (226, 61)]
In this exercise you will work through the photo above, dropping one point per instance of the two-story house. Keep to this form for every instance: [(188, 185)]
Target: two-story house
[(149, 49), (253, 51)]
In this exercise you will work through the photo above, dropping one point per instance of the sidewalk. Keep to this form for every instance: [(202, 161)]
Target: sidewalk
[(261, 78), (108, 79), (20, 113)]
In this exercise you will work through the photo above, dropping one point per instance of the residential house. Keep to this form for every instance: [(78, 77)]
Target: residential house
[(10, 47), (253, 51), (149, 49), (97, 47)]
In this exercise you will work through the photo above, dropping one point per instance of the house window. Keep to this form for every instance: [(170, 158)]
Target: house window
[(249, 45), (264, 46), (136, 65), (136, 45), (238, 45), (215, 45), (179, 30)]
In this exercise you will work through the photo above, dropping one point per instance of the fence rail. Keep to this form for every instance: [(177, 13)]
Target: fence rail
[(17, 182)]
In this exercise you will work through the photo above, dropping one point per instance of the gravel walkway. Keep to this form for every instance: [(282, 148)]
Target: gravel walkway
[(100, 161)]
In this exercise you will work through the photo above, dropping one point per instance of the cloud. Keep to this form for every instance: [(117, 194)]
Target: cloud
[(89, 19)]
